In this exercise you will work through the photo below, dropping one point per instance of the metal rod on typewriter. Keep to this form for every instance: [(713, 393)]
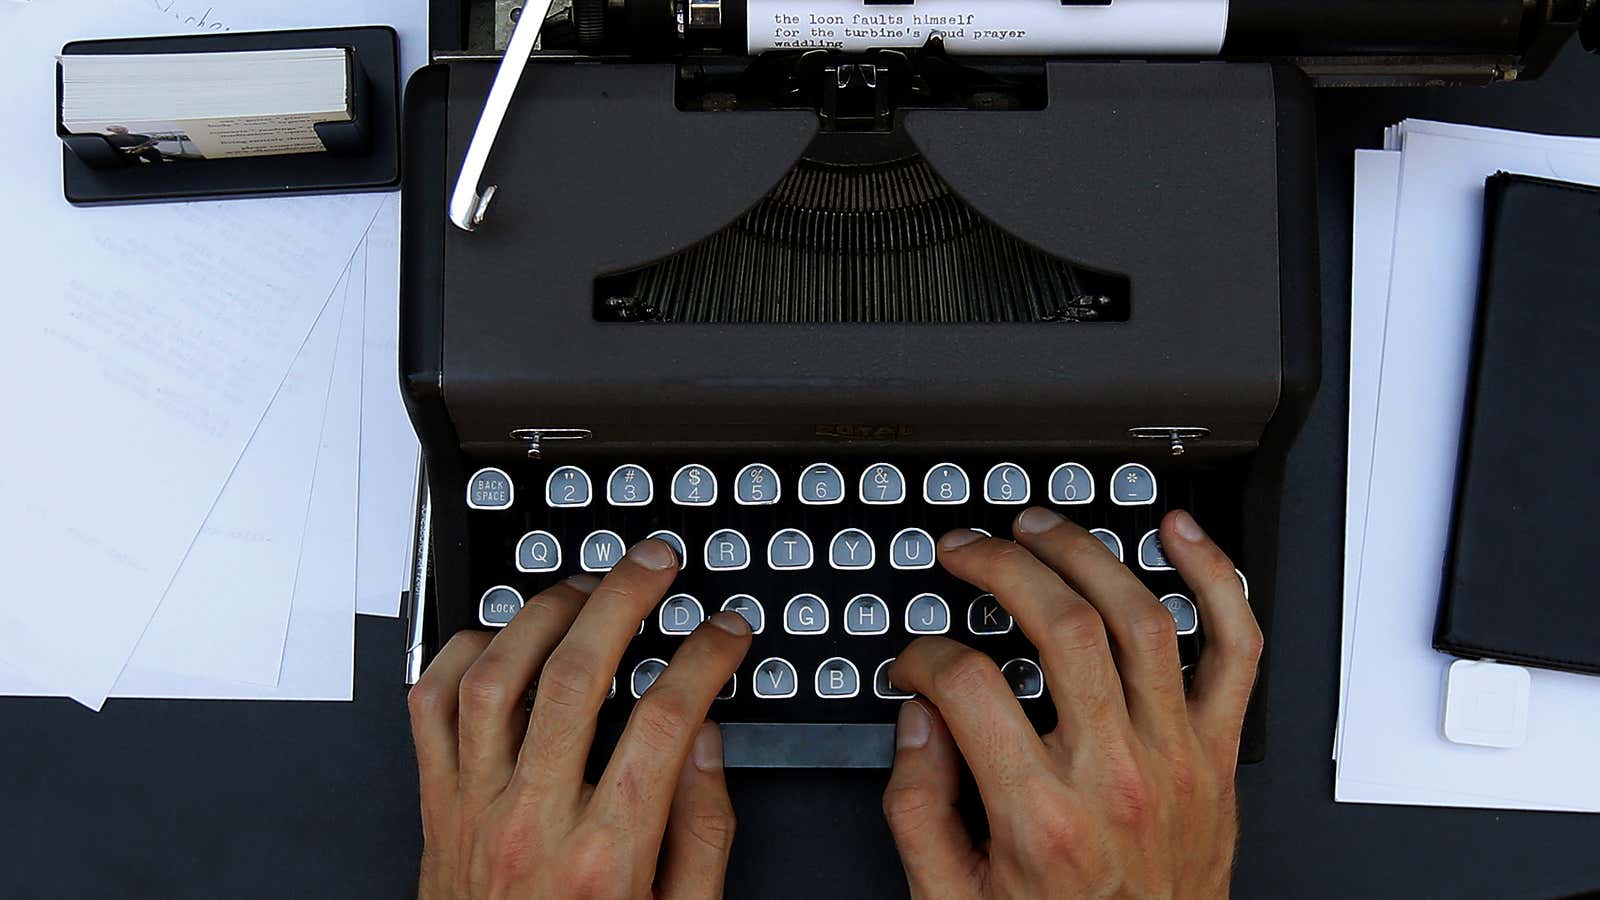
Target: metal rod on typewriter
[(467, 205)]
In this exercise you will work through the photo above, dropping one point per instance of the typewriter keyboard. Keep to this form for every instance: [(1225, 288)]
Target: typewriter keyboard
[(832, 562)]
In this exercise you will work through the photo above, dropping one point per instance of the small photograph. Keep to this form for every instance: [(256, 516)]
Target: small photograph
[(152, 146)]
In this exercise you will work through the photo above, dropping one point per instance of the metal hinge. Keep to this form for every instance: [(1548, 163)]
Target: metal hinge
[(538, 437), (1176, 434)]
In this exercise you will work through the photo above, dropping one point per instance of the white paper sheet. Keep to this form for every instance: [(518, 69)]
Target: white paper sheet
[(227, 611), (389, 446), (408, 17), (155, 338), (1391, 731), (319, 653)]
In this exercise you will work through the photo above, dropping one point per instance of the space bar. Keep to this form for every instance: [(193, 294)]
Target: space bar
[(752, 745)]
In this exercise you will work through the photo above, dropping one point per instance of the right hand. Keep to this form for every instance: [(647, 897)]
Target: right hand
[(1133, 794)]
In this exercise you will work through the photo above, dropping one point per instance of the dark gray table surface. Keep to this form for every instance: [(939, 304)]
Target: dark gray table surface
[(205, 800)]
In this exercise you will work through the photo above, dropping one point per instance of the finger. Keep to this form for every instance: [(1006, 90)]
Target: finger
[(635, 793), (1073, 647), (578, 676), (700, 827), (1227, 672), (494, 689), (996, 738), (1146, 642), (920, 804), (433, 702)]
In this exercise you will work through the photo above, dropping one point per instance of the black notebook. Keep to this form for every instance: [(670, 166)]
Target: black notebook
[(1526, 528)]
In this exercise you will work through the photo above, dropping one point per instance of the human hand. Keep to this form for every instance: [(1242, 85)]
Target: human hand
[(505, 809), (1133, 794)]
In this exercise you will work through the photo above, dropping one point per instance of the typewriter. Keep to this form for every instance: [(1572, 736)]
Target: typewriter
[(798, 286)]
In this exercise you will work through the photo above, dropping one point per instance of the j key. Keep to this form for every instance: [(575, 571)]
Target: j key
[(789, 550), (821, 485), (1007, 485), (694, 486), (538, 551), (985, 616), (499, 606), (681, 614), (852, 550), (866, 614), (806, 614), (644, 676), (1184, 615), (757, 485), (727, 551), (749, 607), (1071, 485), (1026, 681), (928, 614), (630, 485), (568, 486), (1133, 485), (490, 489), (883, 485), (838, 679), (601, 550), (945, 485), (912, 549), (1152, 556), (775, 679), (883, 687)]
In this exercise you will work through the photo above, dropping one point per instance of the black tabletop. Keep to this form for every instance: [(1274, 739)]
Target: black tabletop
[(165, 799)]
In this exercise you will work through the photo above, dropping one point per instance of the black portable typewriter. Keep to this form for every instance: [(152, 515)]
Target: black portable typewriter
[(799, 286)]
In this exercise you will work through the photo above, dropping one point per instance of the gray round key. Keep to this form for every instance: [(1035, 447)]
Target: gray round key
[(1071, 485), (985, 616), (851, 550), (789, 550), (694, 485), (838, 679), (749, 607), (538, 551), (866, 614), (671, 539), (946, 485), (757, 485), (645, 675), (775, 679), (499, 606), (630, 485), (1133, 485), (600, 551), (1152, 556), (727, 551), (1184, 615), (1007, 485), (821, 485), (806, 614), (911, 550), (490, 489), (1110, 539), (567, 487), (927, 614), (883, 485), (681, 614), (883, 687), (1025, 678)]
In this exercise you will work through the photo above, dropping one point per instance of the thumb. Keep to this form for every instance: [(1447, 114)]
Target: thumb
[(700, 826), (920, 804)]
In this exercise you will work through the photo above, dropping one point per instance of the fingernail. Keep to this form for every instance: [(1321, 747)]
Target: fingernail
[(731, 622), (584, 583), (1187, 528), (914, 728), (959, 538), (1038, 520), (653, 555), (707, 753)]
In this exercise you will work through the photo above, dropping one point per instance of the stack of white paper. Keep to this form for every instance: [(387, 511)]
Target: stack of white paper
[(208, 467), (1418, 238)]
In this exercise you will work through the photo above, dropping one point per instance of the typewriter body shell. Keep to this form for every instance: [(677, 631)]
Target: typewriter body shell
[(1193, 179)]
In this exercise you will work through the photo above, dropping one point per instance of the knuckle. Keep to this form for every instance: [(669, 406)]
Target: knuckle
[(1076, 626), (1057, 832), (427, 700), (567, 682), (713, 825), (591, 865), (907, 807), (482, 689), (661, 720), (1132, 797), (969, 675), (1150, 627)]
